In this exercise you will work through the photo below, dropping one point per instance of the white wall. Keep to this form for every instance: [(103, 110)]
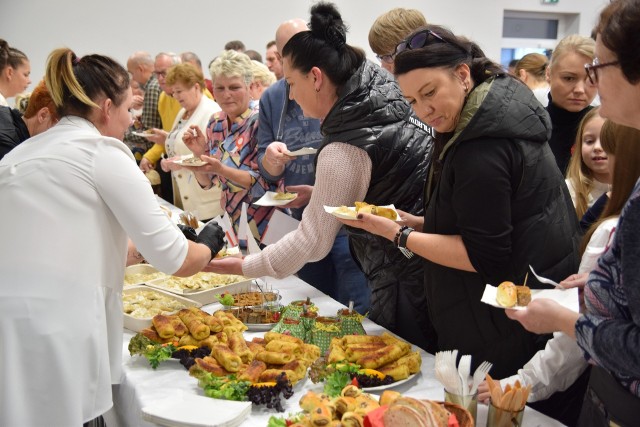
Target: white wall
[(119, 27)]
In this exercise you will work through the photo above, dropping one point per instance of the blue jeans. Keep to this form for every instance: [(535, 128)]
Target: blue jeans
[(338, 276)]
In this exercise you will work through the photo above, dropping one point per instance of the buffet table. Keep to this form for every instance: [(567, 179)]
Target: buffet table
[(142, 386)]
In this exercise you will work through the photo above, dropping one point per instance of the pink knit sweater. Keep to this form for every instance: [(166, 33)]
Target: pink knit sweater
[(343, 174)]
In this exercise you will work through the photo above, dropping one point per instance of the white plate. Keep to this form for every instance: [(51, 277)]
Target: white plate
[(392, 385), (565, 297), (188, 160), (305, 151), (269, 200), (333, 211), (142, 134), (186, 409)]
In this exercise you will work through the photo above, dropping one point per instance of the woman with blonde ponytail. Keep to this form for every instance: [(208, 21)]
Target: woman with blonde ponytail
[(71, 197)]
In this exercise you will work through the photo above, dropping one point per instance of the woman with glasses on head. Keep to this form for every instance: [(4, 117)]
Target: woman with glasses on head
[(373, 150), (608, 333), (495, 200), (389, 29), (570, 94)]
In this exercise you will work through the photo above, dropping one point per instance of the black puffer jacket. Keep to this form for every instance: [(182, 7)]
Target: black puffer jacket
[(372, 114), (499, 189)]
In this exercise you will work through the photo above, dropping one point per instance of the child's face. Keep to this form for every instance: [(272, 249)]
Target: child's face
[(593, 155)]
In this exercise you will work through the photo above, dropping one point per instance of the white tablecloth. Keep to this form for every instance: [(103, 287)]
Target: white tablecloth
[(142, 386)]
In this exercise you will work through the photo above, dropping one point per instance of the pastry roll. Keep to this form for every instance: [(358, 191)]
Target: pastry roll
[(336, 354), (345, 404), (355, 352), (238, 345), (298, 368), (226, 358), (270, 336), (152, 334), (222, 337), (310, 352), (163, 325), (214, 323), (253, 371), (396, 371), (179, 327), (389, 339), (210, 341), (255, 347), (310, 401), (365, 404), (351, 391), (196, 327), (320, 416), (388, 396), (413, 361), (382, 356), (283, 346), (270, 375), (209, 364), (274, 358), (352, 419), (188, 340), (360, 339)]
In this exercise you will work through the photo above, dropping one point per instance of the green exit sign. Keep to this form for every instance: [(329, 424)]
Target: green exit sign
[(549, 1)]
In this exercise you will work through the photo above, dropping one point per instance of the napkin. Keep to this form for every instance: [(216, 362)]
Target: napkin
[(190, 410)]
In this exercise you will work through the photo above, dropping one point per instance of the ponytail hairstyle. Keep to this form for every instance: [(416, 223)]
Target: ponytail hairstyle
[(438, 47), (578, 173), (324, 46), (535, 64), (77, 84), (623, 143), (10, 57)]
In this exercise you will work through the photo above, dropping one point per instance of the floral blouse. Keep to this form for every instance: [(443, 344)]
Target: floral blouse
[(235, 146)]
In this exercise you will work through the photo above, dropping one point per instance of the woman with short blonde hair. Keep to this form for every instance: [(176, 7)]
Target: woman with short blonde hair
[(532, 70)]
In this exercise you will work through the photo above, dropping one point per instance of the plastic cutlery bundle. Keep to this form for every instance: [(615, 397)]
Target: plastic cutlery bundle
[(456, 380)]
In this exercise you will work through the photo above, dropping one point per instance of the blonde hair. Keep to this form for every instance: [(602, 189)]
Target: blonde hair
[(535, 64), (261, 74), (187, 74), (22, 100), (573, 43), (392, 27), (580, 176), (232, 63)]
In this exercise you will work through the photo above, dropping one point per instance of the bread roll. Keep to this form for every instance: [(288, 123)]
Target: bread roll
[(507, 295)]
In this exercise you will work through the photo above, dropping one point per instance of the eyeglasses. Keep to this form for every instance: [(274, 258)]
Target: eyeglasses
[(160, 73), (592, 69), (418, 40), (388, 58)]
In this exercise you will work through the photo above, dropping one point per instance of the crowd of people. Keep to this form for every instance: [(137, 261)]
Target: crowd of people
[(491, 172)]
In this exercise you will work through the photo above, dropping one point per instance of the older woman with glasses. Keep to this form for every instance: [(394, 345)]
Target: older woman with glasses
[(609, 332), (495, 201)]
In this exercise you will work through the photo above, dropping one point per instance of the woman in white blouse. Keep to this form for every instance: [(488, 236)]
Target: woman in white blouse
[(187, 83), (71, 197)]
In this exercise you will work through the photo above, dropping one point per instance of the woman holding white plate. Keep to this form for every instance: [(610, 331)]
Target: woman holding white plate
[(187, 83)]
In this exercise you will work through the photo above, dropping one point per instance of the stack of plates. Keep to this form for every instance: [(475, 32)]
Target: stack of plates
[(191, 410)]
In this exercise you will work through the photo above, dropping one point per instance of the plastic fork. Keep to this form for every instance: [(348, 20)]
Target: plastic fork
[(479, 375), (406, 252), (464, 367), (545, 280)]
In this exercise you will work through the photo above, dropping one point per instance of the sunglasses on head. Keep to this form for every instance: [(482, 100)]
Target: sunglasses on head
[(418, 40)]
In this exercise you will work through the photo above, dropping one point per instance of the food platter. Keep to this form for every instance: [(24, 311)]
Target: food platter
[(270, 198), (565, 297), (203, 296), (135, 323), (140, 274), (260, 327)]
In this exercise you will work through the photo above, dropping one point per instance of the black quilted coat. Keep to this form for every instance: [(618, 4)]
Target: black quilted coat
[(372, 114)]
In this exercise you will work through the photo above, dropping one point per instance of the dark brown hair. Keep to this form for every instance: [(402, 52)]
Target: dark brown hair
[(618, 31), (10, 56), (77, 83), (324, 46)]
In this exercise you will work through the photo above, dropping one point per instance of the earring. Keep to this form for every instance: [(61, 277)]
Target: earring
[(317, 89), (466, 87)]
